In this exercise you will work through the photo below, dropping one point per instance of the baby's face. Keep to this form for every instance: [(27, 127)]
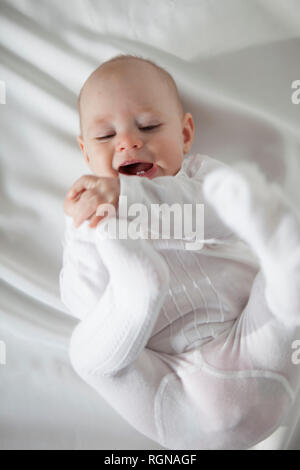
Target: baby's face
[(129, 114)]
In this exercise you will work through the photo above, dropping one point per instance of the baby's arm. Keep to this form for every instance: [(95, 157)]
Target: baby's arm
[(83, 276)]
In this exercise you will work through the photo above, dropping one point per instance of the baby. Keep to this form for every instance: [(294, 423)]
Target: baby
[(192, 347)]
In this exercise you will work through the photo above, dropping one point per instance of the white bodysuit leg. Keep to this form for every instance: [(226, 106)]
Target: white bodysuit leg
[(232, 391)]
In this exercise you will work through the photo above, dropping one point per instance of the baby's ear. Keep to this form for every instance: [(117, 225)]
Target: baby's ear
[(82, 148), (80, 142)]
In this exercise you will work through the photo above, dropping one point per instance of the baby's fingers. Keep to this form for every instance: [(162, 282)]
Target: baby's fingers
[(79, 219), (95, 220), (85, 207), (83, 183), (104, 210), (68, 207)]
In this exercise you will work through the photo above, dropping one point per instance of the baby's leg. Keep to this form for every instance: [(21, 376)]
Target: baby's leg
[(235, 390), (149, 389), (180, 401), (254, 360), (83, 277), (107, 348), (183, 402), (261, 342), (261, 214), (132, 392), (117, 329)]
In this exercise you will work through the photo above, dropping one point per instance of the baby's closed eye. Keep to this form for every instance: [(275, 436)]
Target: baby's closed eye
[(147, 128)]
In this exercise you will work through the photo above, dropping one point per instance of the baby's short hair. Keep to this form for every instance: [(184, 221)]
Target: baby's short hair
[(165, 75)]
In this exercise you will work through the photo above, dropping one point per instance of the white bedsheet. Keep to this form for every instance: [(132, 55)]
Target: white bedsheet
[(234, 62)]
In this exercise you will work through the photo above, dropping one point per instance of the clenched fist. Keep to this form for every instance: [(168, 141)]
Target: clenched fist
[(87, 194)]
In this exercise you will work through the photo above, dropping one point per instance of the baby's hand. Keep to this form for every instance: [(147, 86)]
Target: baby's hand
[(87, 194)]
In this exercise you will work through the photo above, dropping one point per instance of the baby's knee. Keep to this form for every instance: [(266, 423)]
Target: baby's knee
[(207, 412)]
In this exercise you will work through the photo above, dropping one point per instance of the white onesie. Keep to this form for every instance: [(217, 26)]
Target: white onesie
[(181, 343)]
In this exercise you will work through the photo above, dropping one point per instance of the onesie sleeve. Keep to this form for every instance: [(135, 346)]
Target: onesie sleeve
[(83, 276), (186, 187)]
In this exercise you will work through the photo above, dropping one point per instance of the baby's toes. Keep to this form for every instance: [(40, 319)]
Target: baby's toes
[(241, 198), (282, 294), (228, 191)]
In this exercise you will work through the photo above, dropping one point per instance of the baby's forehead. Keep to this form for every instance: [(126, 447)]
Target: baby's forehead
[(144, 100), (95, 84), (124, 72)]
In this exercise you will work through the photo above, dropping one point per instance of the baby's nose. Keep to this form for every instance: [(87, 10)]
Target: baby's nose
[(129, 142)]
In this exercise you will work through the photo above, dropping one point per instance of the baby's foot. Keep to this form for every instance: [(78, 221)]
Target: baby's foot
[(260, 213)]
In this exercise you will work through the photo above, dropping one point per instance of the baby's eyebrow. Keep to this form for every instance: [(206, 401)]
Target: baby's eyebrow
[(100, 120), (93, 127)]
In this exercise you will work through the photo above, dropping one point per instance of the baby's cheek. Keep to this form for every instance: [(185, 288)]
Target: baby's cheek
[(102, 167), (168, 152)]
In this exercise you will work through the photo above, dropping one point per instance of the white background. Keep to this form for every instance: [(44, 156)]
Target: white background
[(234, 62)]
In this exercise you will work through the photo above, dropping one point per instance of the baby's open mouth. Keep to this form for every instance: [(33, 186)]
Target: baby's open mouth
[(139, 169)]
